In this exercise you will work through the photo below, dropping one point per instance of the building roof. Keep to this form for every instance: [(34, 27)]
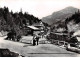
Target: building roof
[(34, 28)]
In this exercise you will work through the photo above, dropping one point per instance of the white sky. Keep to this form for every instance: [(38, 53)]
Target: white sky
[(39, 8)]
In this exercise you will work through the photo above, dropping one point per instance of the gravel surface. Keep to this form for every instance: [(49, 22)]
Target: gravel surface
[(41, 50)]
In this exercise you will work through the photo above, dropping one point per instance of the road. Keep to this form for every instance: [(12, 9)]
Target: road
[(41, 50)]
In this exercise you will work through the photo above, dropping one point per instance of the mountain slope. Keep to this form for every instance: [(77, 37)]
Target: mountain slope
[(59, 15)]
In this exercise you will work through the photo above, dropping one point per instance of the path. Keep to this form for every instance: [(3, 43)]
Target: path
[(42, 50)]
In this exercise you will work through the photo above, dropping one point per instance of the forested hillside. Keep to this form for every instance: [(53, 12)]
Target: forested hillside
[(75, 17), (15, 21), (70, 24), (73, 22)]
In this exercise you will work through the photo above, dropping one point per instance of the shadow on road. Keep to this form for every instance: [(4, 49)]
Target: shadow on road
[(49, 53), (27, 45)]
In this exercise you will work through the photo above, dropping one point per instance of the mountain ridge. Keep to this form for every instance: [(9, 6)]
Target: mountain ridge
[(59, 15)]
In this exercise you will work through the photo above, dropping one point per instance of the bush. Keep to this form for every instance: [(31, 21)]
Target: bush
[(7, 53), (19, 37)]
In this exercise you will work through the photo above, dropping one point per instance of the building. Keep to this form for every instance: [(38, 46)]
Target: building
[(32, 29)]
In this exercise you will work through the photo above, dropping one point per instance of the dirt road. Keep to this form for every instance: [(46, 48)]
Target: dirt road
[(42, 50)]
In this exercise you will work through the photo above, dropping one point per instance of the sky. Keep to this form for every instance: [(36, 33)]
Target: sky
[(39, 8)]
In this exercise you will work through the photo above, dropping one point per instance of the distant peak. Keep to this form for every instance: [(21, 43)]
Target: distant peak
[(71, 7)]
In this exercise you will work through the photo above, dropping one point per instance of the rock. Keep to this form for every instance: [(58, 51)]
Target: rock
[(8, 53)]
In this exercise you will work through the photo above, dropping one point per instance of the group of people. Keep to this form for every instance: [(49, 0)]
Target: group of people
[(36, 39)]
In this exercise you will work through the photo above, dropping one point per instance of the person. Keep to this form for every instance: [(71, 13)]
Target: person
[(8, 36), (34, 41), (37, 38), (42, 34)]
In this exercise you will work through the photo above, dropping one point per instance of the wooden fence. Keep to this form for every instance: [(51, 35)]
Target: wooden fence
[(31, 41)]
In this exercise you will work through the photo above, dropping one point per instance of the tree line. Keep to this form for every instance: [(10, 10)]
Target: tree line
[(16, 21), (75, 17)]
